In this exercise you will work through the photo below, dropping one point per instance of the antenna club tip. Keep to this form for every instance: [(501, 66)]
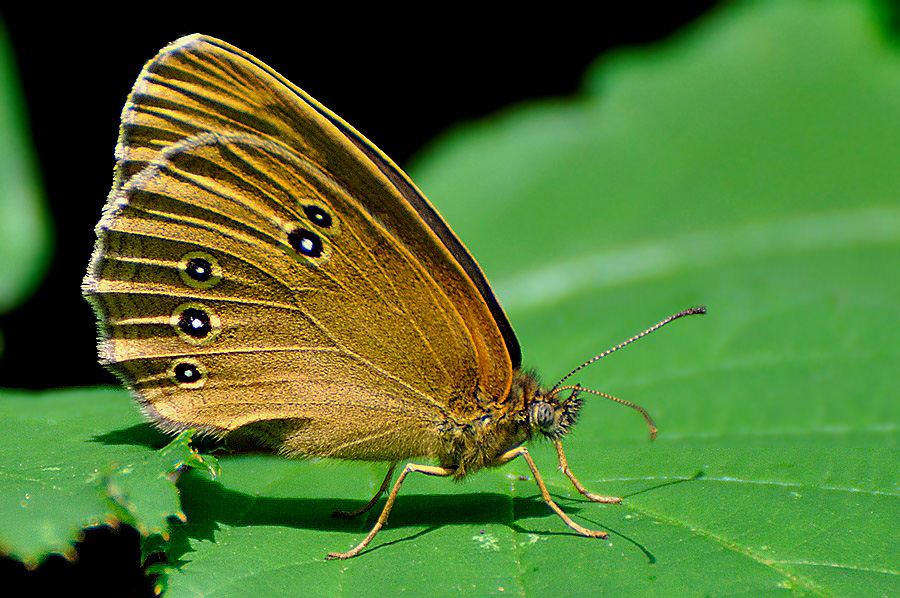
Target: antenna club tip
[(653, 434), (700, 309)]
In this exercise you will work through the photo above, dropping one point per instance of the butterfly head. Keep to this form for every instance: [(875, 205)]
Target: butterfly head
[(553, 417)]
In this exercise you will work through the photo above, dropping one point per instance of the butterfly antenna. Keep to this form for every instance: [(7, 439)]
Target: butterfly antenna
[(650, 423), (688, 312)]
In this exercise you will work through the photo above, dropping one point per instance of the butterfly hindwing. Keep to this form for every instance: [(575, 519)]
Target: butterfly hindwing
[(304, 309)]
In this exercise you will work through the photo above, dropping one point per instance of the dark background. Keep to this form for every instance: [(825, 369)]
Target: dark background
[(399, 78)]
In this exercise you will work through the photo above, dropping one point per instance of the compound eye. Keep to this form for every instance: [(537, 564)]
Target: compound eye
[(543, 415)]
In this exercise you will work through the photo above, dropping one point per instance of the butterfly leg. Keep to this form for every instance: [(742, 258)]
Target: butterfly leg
[(564, 466), (351, 514), (521, 451), (382, 519)]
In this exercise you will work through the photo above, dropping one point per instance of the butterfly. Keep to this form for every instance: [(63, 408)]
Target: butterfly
[(262, 271)]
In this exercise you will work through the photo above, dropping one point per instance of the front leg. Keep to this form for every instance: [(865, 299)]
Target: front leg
[(521, 451), (564, 466)]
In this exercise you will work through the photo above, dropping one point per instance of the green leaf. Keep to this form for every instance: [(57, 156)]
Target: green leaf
[(750, 165), (83, 457), (25, 230)]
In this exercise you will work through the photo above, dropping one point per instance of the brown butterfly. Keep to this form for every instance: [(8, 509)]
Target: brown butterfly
[(263, 271)]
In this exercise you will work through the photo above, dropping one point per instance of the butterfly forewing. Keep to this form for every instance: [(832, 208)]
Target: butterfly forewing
[(201, 84)]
